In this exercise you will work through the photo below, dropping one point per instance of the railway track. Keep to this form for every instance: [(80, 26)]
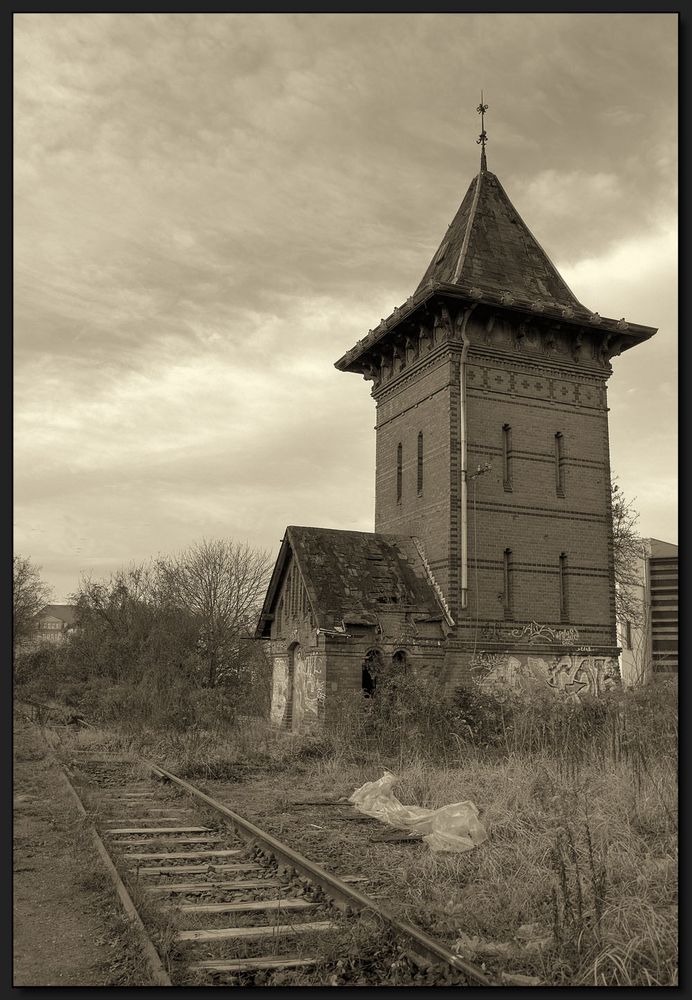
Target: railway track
[(218, 901)]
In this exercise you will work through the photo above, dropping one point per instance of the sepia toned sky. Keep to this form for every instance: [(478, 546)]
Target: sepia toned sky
[(210, 209)]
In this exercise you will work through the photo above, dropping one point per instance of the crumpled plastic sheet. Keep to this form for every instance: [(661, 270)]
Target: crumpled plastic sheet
[(455, 827)]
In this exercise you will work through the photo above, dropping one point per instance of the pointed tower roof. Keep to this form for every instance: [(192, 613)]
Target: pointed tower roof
[(490, 257), (488, 246)]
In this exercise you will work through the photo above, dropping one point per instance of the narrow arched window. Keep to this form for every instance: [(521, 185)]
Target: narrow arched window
[(559, 475), (507, 584), (564, 609), (399, 454), (507, 457), (420, 462)]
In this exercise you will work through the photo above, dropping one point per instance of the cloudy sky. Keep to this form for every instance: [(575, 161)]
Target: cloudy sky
[(211, 209)]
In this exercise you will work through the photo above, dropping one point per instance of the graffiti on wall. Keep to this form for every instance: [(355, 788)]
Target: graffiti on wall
[(308, 689), (534, 632), (575, 674), (279, 689), (298, 688), (568, 675)]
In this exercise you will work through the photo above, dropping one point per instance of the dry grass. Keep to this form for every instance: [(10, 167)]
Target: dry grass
[(577, 884), (585, 870)]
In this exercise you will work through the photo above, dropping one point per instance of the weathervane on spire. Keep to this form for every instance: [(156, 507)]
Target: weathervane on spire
[(483, 137)]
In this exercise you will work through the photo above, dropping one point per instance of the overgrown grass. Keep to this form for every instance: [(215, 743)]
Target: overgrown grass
[(577, 882)]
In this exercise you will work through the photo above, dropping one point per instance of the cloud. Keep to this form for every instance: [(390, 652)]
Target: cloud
[(210, 209)]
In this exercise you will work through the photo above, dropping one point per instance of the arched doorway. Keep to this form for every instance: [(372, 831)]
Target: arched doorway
[(373, 665), (400, 661)]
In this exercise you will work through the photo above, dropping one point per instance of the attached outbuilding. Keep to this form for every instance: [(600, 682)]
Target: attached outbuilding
[(343, 607)]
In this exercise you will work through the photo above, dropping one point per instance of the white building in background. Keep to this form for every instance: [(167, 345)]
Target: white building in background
[(52, 624), (650, 648)]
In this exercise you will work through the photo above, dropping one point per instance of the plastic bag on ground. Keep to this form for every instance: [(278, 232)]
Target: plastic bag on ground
[(455, 827)]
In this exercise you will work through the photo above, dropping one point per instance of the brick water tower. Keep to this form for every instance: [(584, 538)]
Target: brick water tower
[(492, 449)]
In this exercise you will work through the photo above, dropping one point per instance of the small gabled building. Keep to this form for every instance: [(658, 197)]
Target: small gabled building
[(341, 608), (492, 486)]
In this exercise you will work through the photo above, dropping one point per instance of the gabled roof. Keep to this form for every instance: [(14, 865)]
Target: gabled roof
[(489, 246), (65, 612), (353, 576)]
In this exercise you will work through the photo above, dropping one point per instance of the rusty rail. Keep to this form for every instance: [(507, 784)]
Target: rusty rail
[(421, 945), (158, 973)]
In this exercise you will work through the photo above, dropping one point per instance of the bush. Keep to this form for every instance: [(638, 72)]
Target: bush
[(480, 717), (41, 670)]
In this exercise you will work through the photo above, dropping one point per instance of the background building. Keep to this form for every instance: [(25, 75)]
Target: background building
[(52, 624), (650, 646)]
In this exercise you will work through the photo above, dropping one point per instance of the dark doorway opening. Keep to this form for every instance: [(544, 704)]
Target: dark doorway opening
[(372, 667), (400, 661)]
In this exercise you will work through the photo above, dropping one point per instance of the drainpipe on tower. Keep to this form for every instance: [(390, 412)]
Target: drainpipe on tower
[(463, 472)]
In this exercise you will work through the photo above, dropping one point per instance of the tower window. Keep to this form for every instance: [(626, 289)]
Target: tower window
[(399, 454), (420, 463), (564, 611), (507, 457), (559, 475), (507, 584)]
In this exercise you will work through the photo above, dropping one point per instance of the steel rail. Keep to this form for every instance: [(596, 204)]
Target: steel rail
[(424, 947), (156, 968)]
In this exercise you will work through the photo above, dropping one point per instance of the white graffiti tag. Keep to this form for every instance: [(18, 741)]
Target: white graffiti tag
[(534, 632)]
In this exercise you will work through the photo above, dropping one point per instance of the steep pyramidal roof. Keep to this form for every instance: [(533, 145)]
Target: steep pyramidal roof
[(489, 256), (488, 246)]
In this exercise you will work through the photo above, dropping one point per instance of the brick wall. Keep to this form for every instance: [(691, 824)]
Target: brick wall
[(425, 399), (556, 504), (538, 515)]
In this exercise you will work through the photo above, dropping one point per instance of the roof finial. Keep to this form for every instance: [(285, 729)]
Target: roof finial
[(482, 138)]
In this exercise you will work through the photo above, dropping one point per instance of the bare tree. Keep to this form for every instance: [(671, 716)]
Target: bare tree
[(129, 625), (628, 551), (29, 596), (222, 583)]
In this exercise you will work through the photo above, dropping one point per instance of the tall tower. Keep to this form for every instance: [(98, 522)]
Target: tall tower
[(492, 447)]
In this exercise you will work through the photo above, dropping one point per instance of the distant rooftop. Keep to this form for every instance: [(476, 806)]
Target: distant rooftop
[(65, 612)]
